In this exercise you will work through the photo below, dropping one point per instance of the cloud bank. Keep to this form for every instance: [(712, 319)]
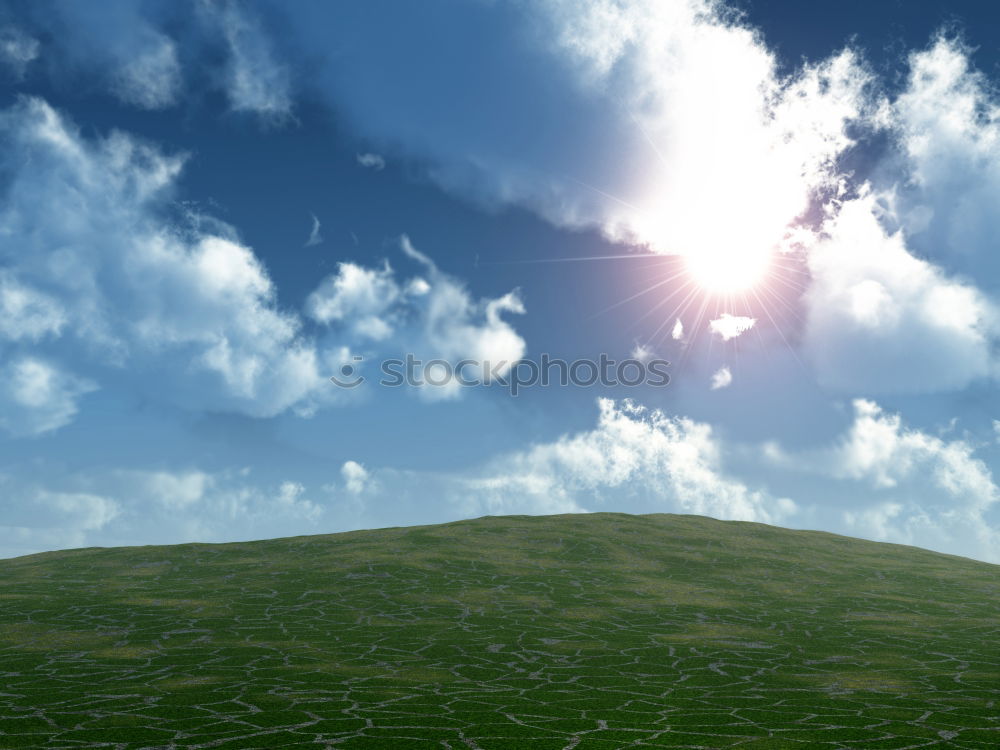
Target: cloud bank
[(923, 489), (633, 459)]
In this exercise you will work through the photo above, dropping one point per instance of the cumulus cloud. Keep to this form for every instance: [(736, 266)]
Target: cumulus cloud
[(133, 288), (363, 297), (906, 268), (880, 319), (947, 175), (634, 458), (730, 326), (721, 378), (880, 449), (356, 477)]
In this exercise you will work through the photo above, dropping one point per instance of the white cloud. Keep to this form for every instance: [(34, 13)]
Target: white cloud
[(356, 477), (876, 521), (365, 297), (879, 448), (927, 490), (291, 501), (26, 313), (903, 293), (675, 66), (173, 490), (730, 326), (721, 378), (36, 397), (87, 512), (418, 287), (670, 464), (372, 161), (948, 124), (875, 311), (677, 334), (642, 353)]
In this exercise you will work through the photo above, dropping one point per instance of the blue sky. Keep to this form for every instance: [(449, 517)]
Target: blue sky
[(208, 208)]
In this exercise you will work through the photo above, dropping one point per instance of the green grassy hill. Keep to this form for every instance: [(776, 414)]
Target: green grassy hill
[(584, 631)]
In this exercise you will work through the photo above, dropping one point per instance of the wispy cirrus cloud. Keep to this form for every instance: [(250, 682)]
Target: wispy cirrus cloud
[(256, 79), (17, 50), (315, 238)]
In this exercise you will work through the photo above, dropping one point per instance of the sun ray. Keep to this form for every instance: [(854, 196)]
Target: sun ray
[(657, 285)]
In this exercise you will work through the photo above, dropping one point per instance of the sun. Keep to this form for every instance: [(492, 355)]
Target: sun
[(728, 270)]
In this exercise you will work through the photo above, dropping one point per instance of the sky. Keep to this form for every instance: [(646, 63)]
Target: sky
[(210, 208)]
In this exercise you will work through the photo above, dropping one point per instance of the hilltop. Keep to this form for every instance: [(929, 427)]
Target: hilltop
[(580, 631)]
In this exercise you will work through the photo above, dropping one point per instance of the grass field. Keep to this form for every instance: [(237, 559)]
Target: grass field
[(584, 631)]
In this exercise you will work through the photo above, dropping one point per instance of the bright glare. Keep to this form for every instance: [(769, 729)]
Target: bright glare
[(728, 269)]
